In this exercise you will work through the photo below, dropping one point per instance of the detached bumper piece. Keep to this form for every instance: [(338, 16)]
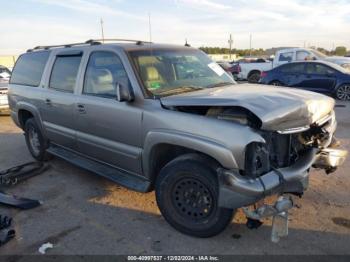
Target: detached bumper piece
[(14, 175), (6, 234), (279, 212), (330, 158)]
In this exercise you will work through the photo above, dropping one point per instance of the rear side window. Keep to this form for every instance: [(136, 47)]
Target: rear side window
[(64, 73), (29, 68), (293, 68), (286, 57)]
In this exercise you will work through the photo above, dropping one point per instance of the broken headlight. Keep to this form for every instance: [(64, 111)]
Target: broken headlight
[(257, 160)]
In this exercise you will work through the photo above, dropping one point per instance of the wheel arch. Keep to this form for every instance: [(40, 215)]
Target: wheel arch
[(162, 147)]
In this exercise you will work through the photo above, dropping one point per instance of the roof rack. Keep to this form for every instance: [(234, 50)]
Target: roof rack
[(88, 42), (138, 42)]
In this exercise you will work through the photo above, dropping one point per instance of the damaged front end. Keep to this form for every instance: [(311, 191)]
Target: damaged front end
[(280, 165)]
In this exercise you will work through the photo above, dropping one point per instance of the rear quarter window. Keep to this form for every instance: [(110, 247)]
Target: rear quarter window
[(29, 68)]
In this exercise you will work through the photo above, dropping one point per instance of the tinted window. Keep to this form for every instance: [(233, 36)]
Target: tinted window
[(64, 73), (319, 69), (29, 68), (286, 57), (103, 72), (292, 68)]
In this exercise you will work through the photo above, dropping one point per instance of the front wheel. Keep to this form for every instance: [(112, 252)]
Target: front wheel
[(187, 196), (343, 92)]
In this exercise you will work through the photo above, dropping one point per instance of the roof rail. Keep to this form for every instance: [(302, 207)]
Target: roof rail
[(89, 42), (47, 47), (101, 41)]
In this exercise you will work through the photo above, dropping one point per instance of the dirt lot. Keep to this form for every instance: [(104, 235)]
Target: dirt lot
[(85, 214)]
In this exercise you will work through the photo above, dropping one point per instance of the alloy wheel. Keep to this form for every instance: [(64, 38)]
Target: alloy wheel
[(343, 92)]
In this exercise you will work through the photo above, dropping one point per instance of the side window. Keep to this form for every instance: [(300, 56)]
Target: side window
[(64, 73), (303, 55), (29, 68), (293, 68), (286, 57), (103, 72), (323, 70)]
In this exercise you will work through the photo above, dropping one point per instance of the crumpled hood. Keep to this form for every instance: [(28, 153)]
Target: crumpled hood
[(278, 108)]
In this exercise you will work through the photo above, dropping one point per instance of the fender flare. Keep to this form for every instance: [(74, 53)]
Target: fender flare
[(201, 144), (33, 110)]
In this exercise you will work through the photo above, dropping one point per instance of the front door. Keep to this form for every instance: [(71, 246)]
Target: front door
[(318, 78), (108, 130)]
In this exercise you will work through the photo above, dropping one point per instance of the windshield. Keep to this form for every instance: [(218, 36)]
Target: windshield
[(166, 72), (318, 54)]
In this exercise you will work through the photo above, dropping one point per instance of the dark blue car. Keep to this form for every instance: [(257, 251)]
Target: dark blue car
[(317, 76)]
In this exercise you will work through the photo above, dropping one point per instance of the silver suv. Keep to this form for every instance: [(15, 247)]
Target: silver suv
[(164, 117)]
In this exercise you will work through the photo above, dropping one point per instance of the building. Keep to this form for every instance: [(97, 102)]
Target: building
[(223, 57)]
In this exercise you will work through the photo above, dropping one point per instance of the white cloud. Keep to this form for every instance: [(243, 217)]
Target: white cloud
[(203, 22)]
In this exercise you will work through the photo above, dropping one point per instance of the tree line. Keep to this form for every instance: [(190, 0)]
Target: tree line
[(339, 51)]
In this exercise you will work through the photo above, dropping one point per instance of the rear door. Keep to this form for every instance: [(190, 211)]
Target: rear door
[(108, 130), (319, 78), (58, 102), (292, 74)]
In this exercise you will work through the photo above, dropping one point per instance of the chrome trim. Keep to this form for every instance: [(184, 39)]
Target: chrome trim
[(294, 130)]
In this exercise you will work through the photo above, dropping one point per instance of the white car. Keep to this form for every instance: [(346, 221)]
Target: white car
[(304, 54), (5, 75)]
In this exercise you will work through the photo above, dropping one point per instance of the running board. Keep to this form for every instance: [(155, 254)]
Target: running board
[(124, 179)]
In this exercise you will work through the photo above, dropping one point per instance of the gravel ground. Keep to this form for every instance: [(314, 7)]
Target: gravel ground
[(85, 214)]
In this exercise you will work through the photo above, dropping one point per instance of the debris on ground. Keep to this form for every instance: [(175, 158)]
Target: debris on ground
[(6, 233), (12, 176), (44, 247)]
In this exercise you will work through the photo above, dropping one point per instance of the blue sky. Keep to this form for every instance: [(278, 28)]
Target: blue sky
[(272, 23)]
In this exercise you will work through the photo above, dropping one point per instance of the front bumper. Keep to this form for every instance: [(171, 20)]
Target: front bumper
[(236, 191)]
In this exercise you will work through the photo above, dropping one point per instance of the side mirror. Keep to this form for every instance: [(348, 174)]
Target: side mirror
[(124, 93)]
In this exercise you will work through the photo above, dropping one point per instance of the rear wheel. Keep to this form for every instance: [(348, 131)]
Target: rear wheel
[(35, 140), (343, 92), (187, 196), (254, 77)]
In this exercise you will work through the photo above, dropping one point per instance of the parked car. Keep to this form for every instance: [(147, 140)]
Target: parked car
[(251, 70), (306, 54), (167, 118), (5, 75), (317, 76), (226, 66)]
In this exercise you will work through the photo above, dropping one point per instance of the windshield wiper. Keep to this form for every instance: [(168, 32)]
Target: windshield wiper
[(220, 84), (181, 89)]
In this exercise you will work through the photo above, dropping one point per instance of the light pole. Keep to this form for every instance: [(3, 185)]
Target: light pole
[(230, 42)]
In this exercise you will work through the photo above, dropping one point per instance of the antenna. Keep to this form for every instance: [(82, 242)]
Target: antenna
[(250, 45), (149, 27), (102, 31)]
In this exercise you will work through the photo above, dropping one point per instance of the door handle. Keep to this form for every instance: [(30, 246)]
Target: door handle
[(81, 109), (48, 101)]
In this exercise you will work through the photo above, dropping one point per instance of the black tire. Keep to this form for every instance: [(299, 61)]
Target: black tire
[(343, 92), (187, 195), (275, 83), (254, 77), (35, 141)]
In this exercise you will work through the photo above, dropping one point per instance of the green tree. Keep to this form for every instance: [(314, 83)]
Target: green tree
[(340, 50)]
